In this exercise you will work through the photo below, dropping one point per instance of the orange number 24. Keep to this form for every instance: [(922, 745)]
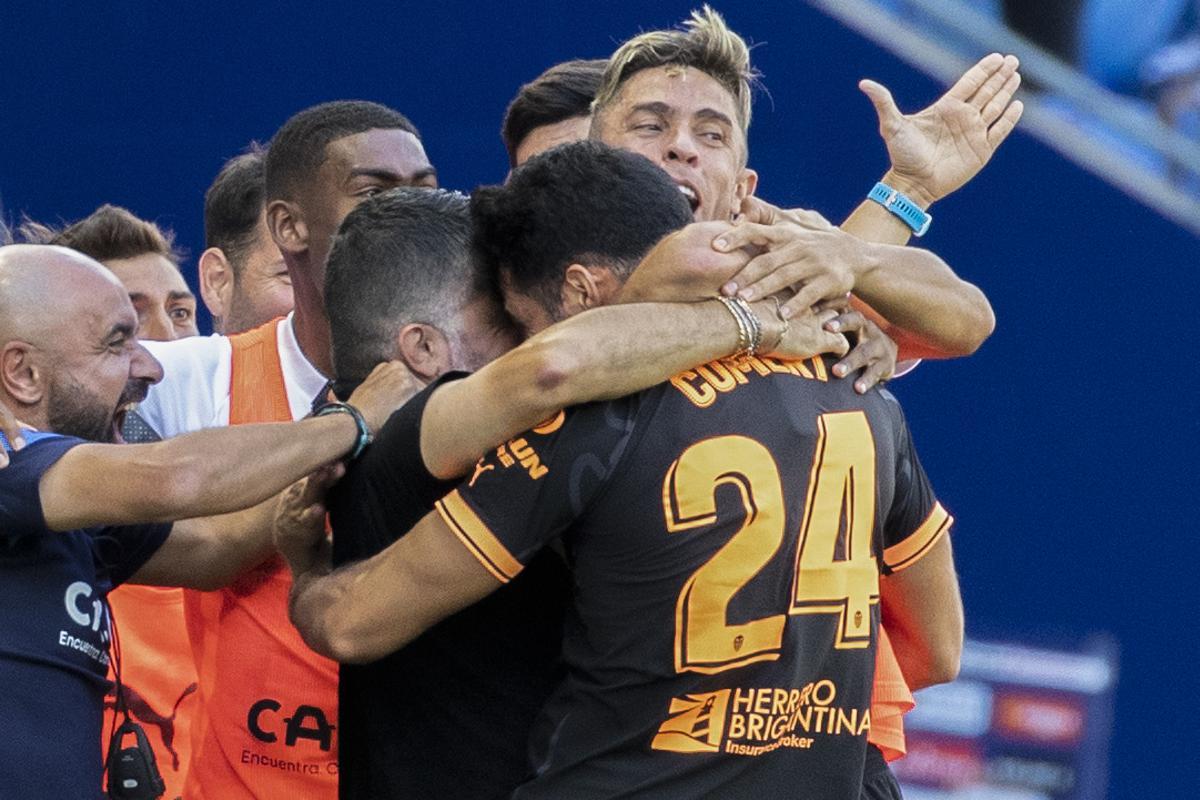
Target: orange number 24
[(836, 573)]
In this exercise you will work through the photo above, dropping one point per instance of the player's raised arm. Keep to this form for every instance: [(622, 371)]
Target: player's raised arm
[(684, 267), (915, 298), (914, 290), (937, 150)]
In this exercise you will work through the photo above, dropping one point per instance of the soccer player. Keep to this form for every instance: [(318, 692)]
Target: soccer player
[(554, 108), (682, 99), (144, 259), (451, 714), (267, 720), (79, 516), (243, 280), (725, 532)]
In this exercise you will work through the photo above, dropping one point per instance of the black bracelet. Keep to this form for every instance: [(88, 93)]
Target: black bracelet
[(364, 433)]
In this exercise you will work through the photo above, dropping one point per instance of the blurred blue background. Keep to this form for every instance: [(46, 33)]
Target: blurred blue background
[(1064, 447)]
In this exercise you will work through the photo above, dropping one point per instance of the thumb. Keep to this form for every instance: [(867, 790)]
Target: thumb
[(885, 107)]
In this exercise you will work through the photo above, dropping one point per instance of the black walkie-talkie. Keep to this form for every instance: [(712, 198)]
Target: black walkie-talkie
[(132, 771)]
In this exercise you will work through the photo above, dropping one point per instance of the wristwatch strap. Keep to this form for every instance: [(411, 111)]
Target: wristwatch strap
[(904, 208), (364, 433)]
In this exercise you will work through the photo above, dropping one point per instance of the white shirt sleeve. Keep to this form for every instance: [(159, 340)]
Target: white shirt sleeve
[(194, 391)]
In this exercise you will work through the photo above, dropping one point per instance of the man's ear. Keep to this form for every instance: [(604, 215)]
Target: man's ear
[(425, 350), (287, 226), (746, 184), (21, 374), (216, 282), (588, 287)]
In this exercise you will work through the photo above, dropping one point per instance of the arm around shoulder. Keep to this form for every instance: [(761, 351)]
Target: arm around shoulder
[(422, 578)]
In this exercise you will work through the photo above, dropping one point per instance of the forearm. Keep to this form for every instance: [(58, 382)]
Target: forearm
[(923, 660), (316, 602), (210, 552), (619, 350), (917, 292), (599, 354), (338, 615), (232, 468), (338, 612), (922, 609), (225, 469), (871, 222)]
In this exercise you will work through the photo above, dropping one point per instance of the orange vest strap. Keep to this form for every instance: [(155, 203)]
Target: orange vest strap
[(256, 389), (247, 651)]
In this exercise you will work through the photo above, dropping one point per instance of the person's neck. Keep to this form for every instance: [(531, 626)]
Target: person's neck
[(309, 322), (34, 418), (312, 335)]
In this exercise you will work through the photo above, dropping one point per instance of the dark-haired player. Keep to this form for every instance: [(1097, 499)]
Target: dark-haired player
[(267, 724), (243, 279), (554, 108), (725, 531), (450, 715)]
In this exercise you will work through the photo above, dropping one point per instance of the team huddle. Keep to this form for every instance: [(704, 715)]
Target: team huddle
[(582, 486)]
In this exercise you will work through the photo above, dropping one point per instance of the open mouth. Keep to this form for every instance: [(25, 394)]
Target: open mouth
[(118, 422), (135, 392), (690, 195)]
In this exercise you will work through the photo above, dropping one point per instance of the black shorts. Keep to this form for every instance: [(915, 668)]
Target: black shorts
[(878, 781)]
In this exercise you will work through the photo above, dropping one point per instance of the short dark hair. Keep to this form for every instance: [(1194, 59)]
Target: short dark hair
[(400, 257), (579, 203), (233, 204), (563, 92), (297, 150), (109, 233)]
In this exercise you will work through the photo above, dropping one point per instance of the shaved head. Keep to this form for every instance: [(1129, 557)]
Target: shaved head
[(41, 286), (69, 357)]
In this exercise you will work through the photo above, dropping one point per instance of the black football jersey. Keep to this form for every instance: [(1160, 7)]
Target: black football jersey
[(726, 532)]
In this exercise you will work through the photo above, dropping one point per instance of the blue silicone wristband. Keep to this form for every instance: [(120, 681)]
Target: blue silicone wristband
[(904, 208)]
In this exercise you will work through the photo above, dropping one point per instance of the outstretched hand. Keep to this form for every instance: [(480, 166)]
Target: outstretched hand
[(937, 150)]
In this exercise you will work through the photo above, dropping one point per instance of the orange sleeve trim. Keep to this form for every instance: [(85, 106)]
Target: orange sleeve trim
[(474, 533), (908, 552)]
